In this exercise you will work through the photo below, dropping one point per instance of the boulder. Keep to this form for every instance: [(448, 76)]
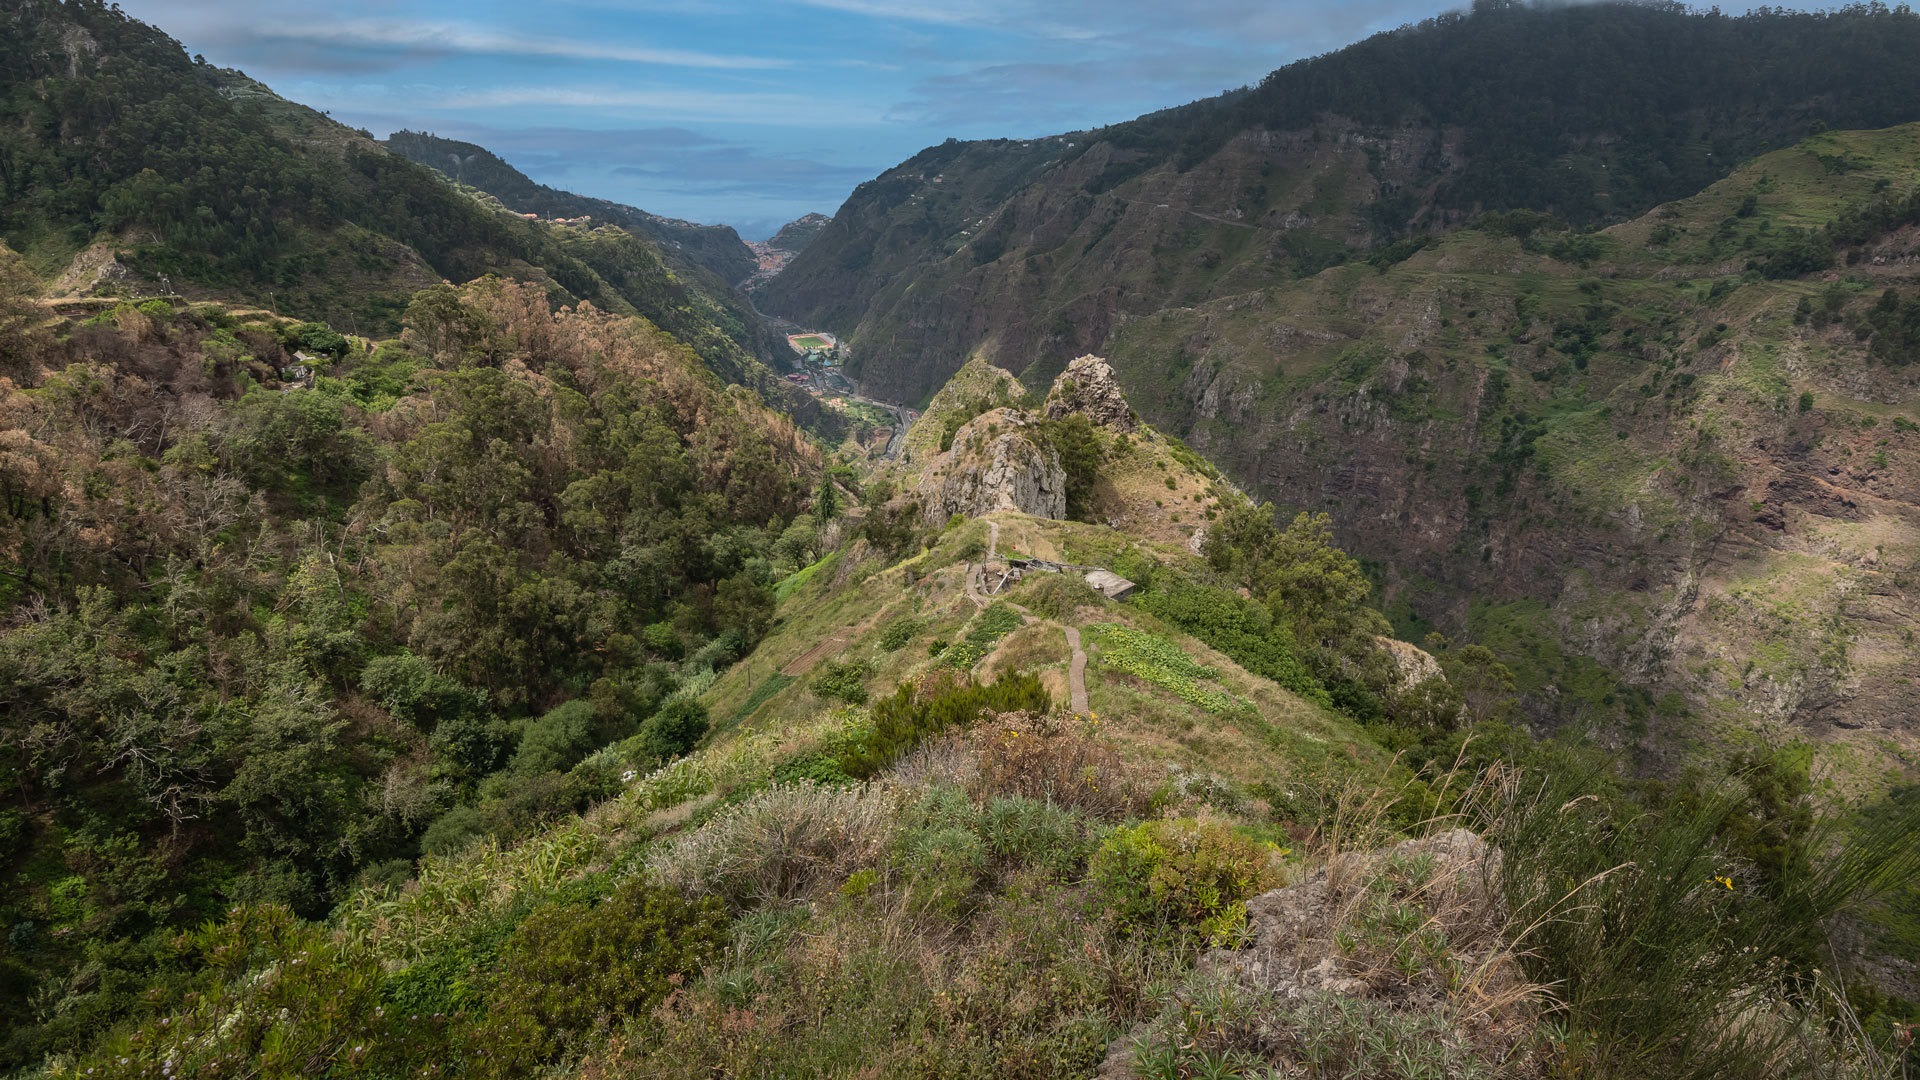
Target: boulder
[(1089, 387), (1412, 664)]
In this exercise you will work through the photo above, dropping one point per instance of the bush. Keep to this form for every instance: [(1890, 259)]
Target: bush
[(453, 831), (781, 843), (1245, 631), (568, 969), (557, 740), (1657, 932), (897, 635), (1182, 873), (322, 1003), (315, 337), (677, 728), (913, 712), (1033, 756), (1060, 596), (837, 681)]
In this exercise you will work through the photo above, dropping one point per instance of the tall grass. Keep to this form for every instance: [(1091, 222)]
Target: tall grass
[(1672, 955)]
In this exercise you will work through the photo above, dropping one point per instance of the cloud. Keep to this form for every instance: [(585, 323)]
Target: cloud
[(726, 106), (466, 38)]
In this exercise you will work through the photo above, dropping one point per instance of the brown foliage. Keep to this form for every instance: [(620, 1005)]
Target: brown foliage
[(1060, 760)]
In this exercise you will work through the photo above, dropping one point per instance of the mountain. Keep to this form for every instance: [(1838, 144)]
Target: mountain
[(1582, 446), (774, 254), (130, 166), (1034, 249), (795, 235), (715, 248)]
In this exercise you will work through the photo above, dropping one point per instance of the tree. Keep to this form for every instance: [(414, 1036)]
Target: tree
[(677, 728), (440, 324), (19, 315), (826, 501)]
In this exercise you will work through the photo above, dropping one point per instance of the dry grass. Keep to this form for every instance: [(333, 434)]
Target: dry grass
[(782, 843), (1059, 760)]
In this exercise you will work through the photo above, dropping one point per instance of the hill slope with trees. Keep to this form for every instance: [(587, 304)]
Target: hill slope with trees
[(175, 176)]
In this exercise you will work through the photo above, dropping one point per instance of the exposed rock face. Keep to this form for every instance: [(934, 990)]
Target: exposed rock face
[(1088, 386), (994, 465), (1414, 664)]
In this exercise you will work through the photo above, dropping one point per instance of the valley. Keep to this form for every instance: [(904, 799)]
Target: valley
[(1407, 569)]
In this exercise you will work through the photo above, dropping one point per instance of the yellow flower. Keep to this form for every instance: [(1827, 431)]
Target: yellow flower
[(1727, 881)]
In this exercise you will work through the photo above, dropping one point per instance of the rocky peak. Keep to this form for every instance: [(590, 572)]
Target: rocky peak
[(1089, 386), (997, 462)]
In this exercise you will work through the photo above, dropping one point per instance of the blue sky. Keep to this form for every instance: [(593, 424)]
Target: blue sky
[(751, 112)]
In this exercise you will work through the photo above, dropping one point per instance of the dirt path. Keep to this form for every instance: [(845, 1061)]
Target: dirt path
[(1077, 675), (803, 663), (993, 538)]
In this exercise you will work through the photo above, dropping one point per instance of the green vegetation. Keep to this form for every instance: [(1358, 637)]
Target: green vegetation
[(277, 651), (201, 175), (379, 712), (984, 631), (1155, 660)]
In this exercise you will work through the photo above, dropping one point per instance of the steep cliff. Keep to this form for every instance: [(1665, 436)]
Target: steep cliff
[(1032, 250)]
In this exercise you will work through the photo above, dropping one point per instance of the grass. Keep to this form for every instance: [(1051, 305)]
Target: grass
[(1157, 661), (768, 687)]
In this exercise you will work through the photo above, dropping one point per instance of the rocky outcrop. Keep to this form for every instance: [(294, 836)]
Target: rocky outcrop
[(995, 464), (1412, 664), (1322, 941), (1089, 387)]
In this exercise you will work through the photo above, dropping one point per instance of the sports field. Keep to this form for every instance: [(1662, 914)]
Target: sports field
[(803, 342)]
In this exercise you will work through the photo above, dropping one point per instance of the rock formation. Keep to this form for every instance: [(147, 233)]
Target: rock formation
[(1317, 942), (996, 464), (1088, 386)]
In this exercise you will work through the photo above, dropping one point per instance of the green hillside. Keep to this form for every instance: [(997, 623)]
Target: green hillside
[(715, 249), (1463, 628), (329, 615), (206, 184)]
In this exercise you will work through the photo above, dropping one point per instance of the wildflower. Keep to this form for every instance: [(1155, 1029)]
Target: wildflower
[(627, 777), (1727, 881)]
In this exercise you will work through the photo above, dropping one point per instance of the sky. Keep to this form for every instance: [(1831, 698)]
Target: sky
[(751, 112)]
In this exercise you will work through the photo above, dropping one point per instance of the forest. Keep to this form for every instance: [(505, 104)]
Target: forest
[(278, 626)]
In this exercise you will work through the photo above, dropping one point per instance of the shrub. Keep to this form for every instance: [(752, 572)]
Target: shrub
[(1674, 955), (569, 968), (555, 741), (1185, 873), (915, 711), (837, 681), (677, 728), (1033, 756), (453, 830), (1035, 833), (322, 1003), (781, 843), (1240, 628), (1060, 596), (315, 337), (896, 636), (941, 851)]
